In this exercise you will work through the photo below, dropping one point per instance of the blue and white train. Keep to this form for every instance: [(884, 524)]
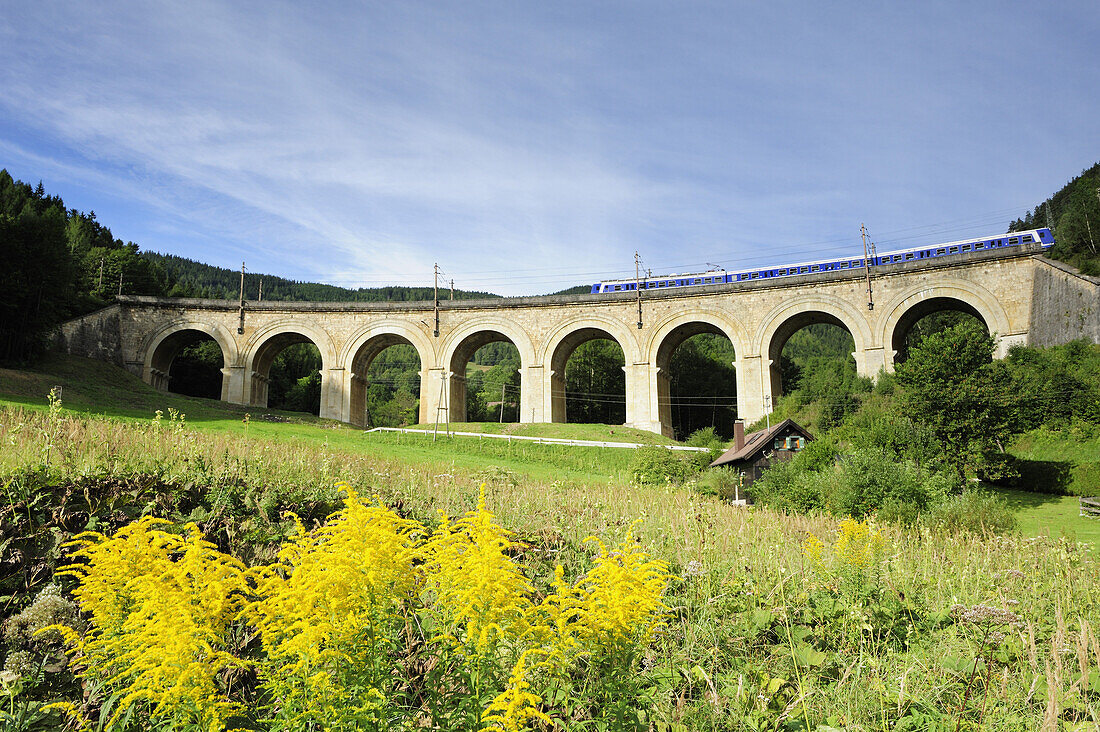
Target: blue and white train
[(717, 277)]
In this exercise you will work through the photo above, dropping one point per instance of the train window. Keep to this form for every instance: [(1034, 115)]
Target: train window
[(953, 250), (1028, 239), (814, 268), (1013, 240), (698, 281), (618, 287), (979, 245), (782, 272), (908, 256), (941, 252), (967, 247)]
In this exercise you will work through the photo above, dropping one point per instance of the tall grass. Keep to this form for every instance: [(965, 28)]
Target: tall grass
[(758, 638)]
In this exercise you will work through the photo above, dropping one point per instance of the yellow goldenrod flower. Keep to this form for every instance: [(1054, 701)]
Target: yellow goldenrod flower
[(859, 546), (515, 707), (161, 606), (474, 585), (812, 548), (324, 611)]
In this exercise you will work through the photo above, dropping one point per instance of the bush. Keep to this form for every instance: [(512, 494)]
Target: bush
[(723, 482), (857, 484), (657, 465), (975, 510), (786, 487), (706, 437)]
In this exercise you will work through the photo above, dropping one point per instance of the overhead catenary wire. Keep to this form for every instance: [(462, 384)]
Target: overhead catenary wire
[(956, 228)]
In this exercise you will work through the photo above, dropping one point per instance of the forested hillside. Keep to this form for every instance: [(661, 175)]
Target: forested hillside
[(195, 279), (58, 262), (1074, 212)]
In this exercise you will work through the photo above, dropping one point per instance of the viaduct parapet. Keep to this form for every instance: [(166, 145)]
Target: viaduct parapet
[(1021, 296)]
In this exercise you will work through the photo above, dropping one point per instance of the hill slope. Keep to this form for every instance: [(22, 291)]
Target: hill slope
[(1074, 213)]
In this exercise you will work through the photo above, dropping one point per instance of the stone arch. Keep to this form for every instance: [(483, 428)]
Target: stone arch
[(793, 315), (460, 347), (362, 349), (902, 313), (566, 338), (670, 335), (265, 344), (162, 347)]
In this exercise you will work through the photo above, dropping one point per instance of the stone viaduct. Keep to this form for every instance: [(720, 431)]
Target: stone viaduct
[(1021, 296)]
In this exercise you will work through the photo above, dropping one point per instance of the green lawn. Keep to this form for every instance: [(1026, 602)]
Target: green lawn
[(596, 432), (1046, 515)]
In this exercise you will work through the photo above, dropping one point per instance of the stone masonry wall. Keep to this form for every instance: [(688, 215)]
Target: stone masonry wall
[(1065, 305), (95, 335)]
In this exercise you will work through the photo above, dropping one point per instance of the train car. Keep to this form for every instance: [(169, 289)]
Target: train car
[(713, 277)]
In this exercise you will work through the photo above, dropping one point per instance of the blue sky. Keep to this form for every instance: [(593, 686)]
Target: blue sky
[(527, 147)]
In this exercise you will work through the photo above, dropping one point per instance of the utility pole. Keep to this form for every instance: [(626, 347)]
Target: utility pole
[(240, 305), (435, 288), (1092, 242), (261, 297), (638, 286), (867, 268), (99, 287), (452, 288), (120, 282), (1050, 217), (502, 387)]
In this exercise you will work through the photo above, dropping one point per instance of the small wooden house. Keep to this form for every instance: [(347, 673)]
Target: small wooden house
[(751, 454)]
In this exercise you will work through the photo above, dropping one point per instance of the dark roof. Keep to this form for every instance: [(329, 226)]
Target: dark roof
[(757, 441)]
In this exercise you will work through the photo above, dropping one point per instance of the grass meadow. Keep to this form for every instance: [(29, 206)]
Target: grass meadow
[(773, 622)]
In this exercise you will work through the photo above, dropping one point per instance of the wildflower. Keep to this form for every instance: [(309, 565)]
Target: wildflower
[(160, 607), (515, 707), (475, 586), (986, 615), (693, 569), (859, 546), (812, 548), (324, 609), (621, 595)]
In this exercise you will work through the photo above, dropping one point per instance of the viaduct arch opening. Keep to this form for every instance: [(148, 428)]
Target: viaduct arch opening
[(386, 372), (588, 381), (189, 362), (287, 373), (485, 378), (696, 380), (928, 317), (814, 351)]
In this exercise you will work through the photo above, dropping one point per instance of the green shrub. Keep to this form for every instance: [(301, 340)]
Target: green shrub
[(786, 487), (723, 482), (706, 437), (852, 484), (867, 481), (656, 465), (975, 510)]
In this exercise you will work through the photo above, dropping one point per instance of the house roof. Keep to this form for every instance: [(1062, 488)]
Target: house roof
[(756, 442)]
